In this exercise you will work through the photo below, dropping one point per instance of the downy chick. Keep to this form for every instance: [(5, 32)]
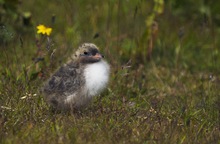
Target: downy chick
[(74, 84)]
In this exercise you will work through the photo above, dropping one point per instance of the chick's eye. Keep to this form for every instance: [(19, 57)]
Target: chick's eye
[(85, 53)]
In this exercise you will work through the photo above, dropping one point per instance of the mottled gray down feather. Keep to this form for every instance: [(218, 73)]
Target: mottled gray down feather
[(66, 81)]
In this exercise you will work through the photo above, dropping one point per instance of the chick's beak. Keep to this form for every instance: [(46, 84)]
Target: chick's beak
[(98, 56)]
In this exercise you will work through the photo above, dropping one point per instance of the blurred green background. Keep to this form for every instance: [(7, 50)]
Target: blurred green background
[(187, 32)]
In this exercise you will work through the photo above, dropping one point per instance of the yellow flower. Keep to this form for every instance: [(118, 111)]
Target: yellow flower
[(44, 30)]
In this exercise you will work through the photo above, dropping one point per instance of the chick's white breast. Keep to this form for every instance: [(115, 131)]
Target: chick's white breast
[(96, 77)]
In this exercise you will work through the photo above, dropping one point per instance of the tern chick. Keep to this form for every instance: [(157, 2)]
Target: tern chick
[(74, 84)]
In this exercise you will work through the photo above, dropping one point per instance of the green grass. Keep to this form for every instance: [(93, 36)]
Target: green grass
[(174, 98)]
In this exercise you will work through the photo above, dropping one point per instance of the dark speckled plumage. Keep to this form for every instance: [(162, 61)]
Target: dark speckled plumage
[(61, 84)]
